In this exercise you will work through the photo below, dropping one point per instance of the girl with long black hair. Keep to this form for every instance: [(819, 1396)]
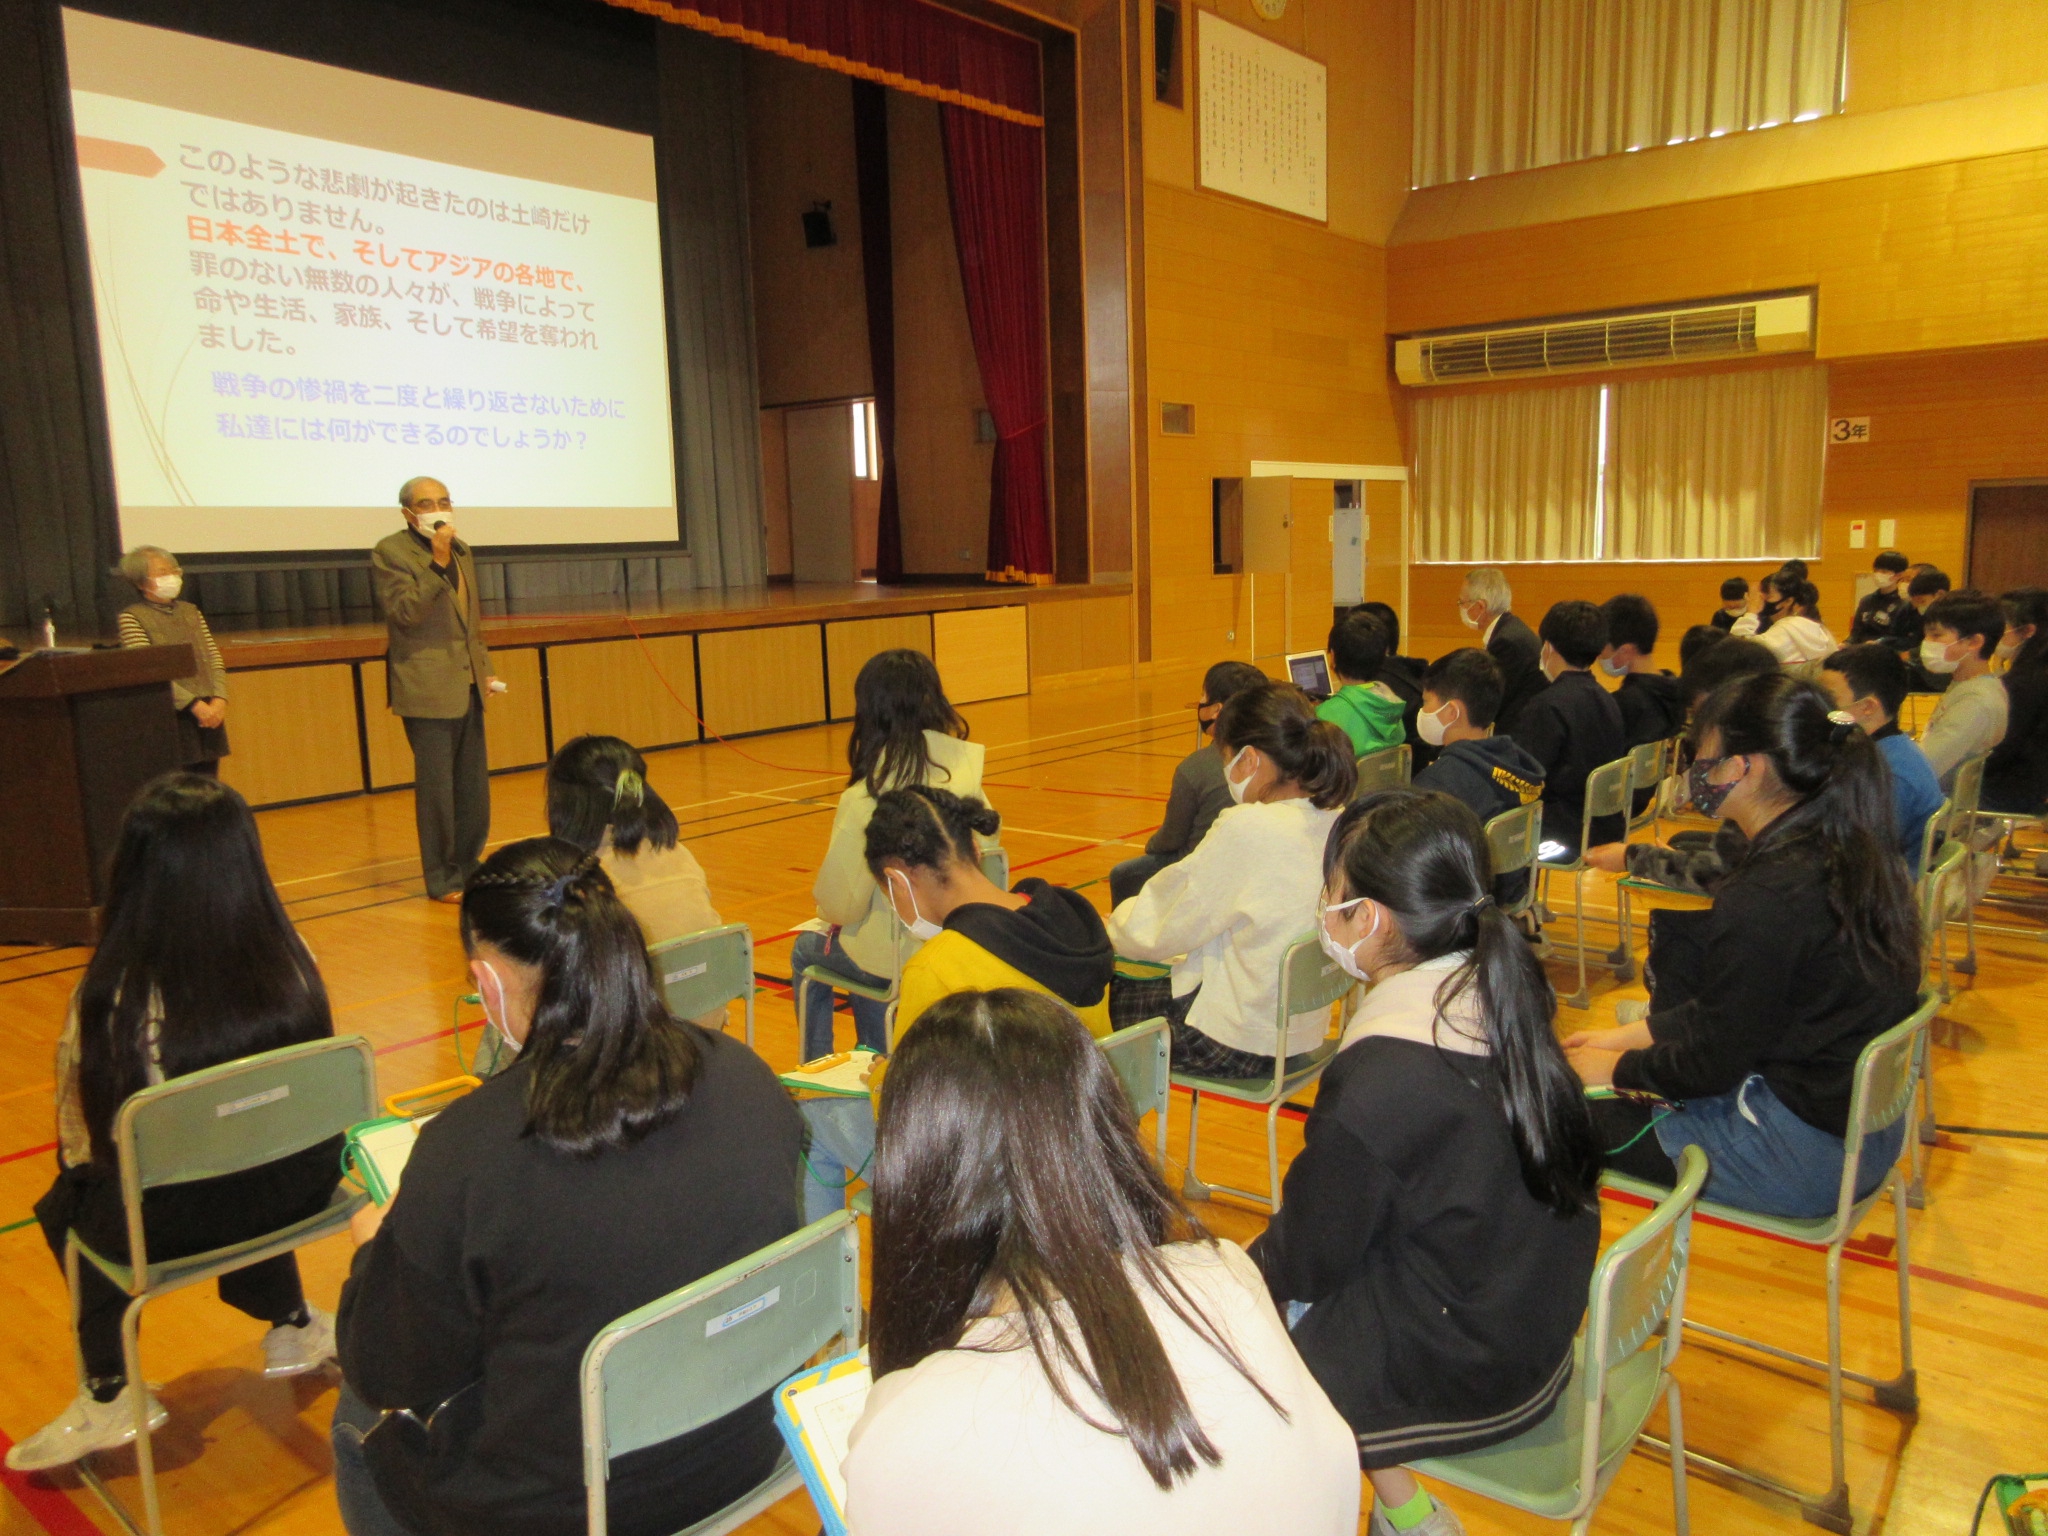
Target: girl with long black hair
[(905, 732), (1439, 1227), (1760, 1006), (622, 1155), (197, 964), (1057, 1345)]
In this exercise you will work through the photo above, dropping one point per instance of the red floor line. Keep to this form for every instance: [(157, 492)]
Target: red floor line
[(15, 1157), (1083, 848), (439, 1034), (51, 1509), (1919, 1271)]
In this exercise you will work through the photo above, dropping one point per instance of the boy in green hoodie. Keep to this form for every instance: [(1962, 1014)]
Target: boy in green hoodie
[(1363, 707)]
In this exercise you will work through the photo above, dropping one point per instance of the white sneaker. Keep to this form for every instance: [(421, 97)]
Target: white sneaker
[(83, 1428), (289, 1351), (1439, 1522)]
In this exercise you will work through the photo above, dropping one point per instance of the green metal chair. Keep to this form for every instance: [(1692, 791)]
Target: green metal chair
[(1386, 768), (1931, 895), (1649, 765), (701, 972), (995, 864), (832, 981), (1142, 1058), (1965, 792), (696, 1354), (204, 1125), (1514, 838), (1607, 794), (1621, 1365), (1881, 1097), (1310, 981)]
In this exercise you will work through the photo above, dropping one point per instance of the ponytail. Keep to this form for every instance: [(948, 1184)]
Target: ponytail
[(598, 784), (1422, 855), (927, 828), (1279, 720), (609, 1063)]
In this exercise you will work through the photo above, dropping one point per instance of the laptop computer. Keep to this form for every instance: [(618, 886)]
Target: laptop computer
[(1310, 672)]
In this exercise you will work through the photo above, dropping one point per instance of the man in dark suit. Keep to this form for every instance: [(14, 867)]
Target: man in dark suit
[(437, 673), (1483, 605)]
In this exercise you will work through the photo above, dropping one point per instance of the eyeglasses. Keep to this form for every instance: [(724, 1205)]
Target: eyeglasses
[(426, 504)]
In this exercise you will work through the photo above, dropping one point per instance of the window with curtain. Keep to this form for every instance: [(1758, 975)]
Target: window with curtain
[(1720, 466), (1508, 85)]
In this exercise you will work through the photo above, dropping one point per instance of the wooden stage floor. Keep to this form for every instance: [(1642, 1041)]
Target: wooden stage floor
[(1080, 777)]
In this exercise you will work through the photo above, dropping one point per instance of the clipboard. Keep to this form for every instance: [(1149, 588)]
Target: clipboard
[(816, 1410), (843, 1075), (377, 1152)]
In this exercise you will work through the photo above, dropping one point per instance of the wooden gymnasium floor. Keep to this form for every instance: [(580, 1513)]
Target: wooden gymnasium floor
[(1080, 777)]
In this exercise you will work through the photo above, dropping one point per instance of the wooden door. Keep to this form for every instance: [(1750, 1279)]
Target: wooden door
[(2008, 537)]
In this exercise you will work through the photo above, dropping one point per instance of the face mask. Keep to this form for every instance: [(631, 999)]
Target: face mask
[(165, 589), (496, 1019), (1465, 617), (1707, 798), (1551, 663), (1887, 583), (920, 926), (1432, 725), (1345, 955), (1613, 666), (1935, 658), (2009, 647), (1236, 786)]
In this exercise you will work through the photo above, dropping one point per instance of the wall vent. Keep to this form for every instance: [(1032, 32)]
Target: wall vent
[(1696, 333), (1176, 420)]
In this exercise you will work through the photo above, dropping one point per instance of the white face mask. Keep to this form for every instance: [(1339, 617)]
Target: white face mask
[(497, 1017), (1551, 663), (2009, 647), (1465, 617), (920, 926), (165, 589), (1887, 582), (1934, 656), (1346, 955), (1235, 785), (1614, 666), (1432, 724)]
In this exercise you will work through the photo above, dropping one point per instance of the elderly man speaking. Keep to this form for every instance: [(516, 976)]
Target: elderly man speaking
[(438, 672)]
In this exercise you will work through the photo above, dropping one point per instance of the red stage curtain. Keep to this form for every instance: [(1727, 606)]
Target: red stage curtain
[(993, 172), (905, 44)]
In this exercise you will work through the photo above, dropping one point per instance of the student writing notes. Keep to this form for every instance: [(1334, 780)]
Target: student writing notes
[(622, 1155), (1439, 1227), (1057, 1345)]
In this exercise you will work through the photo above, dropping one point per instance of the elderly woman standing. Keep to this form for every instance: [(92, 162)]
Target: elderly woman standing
[(162, 618)]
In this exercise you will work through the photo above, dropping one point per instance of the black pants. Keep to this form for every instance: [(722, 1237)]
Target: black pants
[(180, 1220), (451, 795)]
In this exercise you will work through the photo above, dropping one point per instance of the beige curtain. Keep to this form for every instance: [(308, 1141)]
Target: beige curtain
[(1507, 85), (1506, 475), (1720, 466)]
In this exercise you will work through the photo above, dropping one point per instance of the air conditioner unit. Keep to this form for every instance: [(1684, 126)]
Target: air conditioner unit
[(1637, 339)]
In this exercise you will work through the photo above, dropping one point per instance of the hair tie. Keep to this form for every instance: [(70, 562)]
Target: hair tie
[(558, 890), (1480, 904), (1842, 725), (628, 790)]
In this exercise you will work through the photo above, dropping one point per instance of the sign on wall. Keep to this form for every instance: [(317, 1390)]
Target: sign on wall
[(1264, 120), (1849, 429)]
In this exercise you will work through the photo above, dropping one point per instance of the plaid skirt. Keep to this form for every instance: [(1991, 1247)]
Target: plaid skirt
[(1133, 1000)]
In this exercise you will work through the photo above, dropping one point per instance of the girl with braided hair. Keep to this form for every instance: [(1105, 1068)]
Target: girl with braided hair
[(623, 1154)]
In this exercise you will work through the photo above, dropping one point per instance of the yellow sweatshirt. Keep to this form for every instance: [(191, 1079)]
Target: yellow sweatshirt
[(951, 963)]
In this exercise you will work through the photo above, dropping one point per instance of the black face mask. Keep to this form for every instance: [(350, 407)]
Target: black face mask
[(1707, 799)]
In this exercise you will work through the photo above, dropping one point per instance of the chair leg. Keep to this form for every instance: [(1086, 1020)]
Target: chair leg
[(1831, 1510), (1583, 998), (1622, 957), (750, 1016), (145, 1453), (1191, 1184), (1681, 1517), (1967, 966), (1273, 1156), (1902, 1393)]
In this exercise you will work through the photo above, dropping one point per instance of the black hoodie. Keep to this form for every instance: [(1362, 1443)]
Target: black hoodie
[(1057, 939), (1491, 776)]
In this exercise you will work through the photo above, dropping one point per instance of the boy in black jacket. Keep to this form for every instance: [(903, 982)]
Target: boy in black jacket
[(1651, 709), (1734, 602), (1879, 607), (1491, 774), (1572, 727)]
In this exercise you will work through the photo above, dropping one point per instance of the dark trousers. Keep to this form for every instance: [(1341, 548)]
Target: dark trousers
[(1129, 877), (451, 795), (180, 1220)]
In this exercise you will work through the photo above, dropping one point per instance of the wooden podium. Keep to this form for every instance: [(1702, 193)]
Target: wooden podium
[(84, 730)]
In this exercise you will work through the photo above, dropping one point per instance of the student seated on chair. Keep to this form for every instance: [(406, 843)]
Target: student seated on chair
[(1440, 1224), (2016, 777), (623, 1155), (976, 936), (1197, 797), (1924, 585), (1872, 620), (1734, 603), (1868, 684), (904, 732), (1402, 676), (1962, 630), (1057, 1344), (599, 799), (1797, 637), (1363, 708), (197, 965), (1761, 1005), (1490, 774), (1696, 640), (1226, 914), (1651, 707), (1572, 727)]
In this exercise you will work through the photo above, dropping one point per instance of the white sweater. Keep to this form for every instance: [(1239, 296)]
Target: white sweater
[(973, 1441), (1225, 915), (1794, 639)]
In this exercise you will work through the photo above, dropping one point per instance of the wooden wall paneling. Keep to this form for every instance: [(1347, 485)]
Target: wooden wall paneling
[(390, 754), (1385, 549), (762, 679), (515, 722), (849, 643), (292, 734), (982, 653), (1308, 607), (609, 687), (1090, 636)]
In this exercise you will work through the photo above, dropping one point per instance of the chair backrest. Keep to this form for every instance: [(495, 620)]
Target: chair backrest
[(1966, 790), (703, 971), (1140, 1056), (1607, 793), (1881, 1093), (1309, 980), (1385, 769), (995, 863), (1645, 774), (1932, 891), (1514, 838), (696, 1354), (242, 1114), (1931, 836)]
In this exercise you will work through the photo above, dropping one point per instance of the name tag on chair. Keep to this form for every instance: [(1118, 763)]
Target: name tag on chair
[(686, 973), (253, 1101)]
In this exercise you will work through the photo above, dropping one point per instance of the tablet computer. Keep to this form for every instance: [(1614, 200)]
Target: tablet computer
[(1310, 672)]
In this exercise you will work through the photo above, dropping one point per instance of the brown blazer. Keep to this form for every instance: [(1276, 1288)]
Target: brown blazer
[(435, 652)]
